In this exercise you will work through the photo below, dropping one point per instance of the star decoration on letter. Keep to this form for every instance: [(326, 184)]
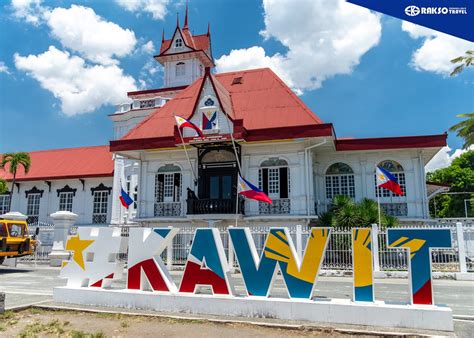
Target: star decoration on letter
[(78, 246)]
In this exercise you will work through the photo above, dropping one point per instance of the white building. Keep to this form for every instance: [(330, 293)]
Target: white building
[(281, 145)]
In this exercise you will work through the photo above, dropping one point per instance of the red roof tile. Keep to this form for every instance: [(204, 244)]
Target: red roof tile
[(197, 42), (66, 163), (261, 100)]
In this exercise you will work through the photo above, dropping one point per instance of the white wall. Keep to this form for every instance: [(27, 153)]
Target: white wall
[(49, 203)]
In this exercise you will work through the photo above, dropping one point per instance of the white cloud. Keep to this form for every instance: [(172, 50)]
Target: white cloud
[(148, 48), (81, 29), (29, 10), (81, 88), (437, 49), (323, 37), (3, 68), (443, 158), (157, 8)]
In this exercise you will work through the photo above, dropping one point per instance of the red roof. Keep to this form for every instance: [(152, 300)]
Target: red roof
[(261, 100), (402, 142), (66, 163), (197, 42)]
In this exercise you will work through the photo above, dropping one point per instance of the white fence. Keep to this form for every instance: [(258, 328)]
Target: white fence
[(338, 253)]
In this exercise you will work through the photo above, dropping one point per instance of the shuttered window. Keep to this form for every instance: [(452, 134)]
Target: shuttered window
[(168, 187), (275, 181)]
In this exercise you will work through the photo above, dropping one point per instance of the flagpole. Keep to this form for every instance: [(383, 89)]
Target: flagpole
[(187, 156), (238, 166)]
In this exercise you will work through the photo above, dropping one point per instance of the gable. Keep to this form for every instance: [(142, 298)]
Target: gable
[(178, 44)]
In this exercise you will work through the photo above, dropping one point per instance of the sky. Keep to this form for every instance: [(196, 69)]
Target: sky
[(64, 64)]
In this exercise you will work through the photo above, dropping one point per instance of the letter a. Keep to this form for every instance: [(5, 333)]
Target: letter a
[(206, 264), (419, 243), (144, 261)]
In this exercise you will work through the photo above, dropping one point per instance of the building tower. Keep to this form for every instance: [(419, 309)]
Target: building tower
[(184, 57)]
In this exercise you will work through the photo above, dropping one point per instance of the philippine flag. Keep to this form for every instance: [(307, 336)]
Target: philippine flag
[(248, 190), (182, 122), (385, 179), (125, 199)]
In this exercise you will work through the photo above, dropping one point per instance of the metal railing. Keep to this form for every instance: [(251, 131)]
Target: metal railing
[(213, 206), (167, 209), (338, 255), (279, 206)]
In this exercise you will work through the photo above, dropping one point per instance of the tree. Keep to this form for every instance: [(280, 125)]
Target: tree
[(3, 186), (464, 61), (346, 213), (460, 177), (465, 129), (14, 161)]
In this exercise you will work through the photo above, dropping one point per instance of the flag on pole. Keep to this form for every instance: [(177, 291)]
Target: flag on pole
[(385, 179), (125, 199), (248, 190), (182, 123)]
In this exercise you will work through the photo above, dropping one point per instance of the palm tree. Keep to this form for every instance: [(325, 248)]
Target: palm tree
[(3, 186), (466, 60), (14, 160), (465, 129)]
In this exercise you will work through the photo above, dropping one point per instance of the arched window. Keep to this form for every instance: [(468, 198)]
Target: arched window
[(397, 170), (168, 184), (180, 69), (178, 43), (339, 181), (274, 178)]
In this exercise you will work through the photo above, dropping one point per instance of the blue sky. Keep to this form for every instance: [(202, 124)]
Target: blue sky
[(385, 92)]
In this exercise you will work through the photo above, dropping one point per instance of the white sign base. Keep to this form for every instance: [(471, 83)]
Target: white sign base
[(334, 311)]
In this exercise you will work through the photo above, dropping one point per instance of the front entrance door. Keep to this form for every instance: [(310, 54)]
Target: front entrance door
[(220, 186)]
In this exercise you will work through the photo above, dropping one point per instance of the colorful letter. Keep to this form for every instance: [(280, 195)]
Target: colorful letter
[(93, 262), (362, 265), (206, 264), (300, 277), (145, 248), (419, 243)]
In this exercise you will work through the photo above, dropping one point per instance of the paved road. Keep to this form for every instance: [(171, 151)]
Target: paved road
[(28, 285)]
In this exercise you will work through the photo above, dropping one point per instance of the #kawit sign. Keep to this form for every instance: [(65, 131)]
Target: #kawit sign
[(93, 268)]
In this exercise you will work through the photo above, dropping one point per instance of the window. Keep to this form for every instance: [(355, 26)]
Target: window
[(178, 43), (100, 206), (32, 207), (274, 178), (339, 181), (180, 69), (392, 204), (168, 184), (16, 230), (4, 201), (65, 201), (147, 103), (397, 170), (3, 230)]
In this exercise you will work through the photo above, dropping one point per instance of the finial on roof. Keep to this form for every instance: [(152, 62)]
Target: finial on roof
[(177, 19), (208, 28), (186, 17), (163, 35)]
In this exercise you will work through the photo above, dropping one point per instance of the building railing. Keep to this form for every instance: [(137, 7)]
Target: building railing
[(167, 209), (213, 206), (281, 206), (99, 218)]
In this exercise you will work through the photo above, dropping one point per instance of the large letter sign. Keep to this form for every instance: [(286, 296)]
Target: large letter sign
[(206, 264), (419, 243), (362, 265), (145, 248), (258, 274), (93, 262)]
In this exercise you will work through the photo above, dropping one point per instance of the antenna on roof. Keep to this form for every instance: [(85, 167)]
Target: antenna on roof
[(186, 17)]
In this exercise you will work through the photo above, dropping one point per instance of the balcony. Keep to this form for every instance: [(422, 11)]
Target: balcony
[(167, 209), (213, 206), (280, 206)]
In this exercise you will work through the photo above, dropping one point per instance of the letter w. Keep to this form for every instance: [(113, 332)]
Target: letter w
[(259, 274)]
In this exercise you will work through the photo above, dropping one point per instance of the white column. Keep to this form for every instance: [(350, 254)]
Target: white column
[(299, 241), (63, 220), (461, 248), (363, 180), (375, 247), (144, 202), (117, 208)]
